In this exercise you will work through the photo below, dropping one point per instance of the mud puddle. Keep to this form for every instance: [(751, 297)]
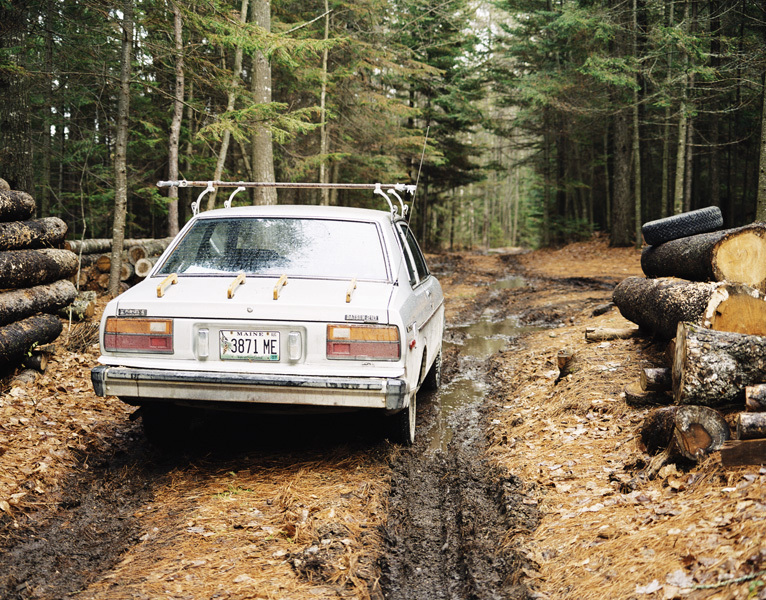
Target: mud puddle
[(450, 510)]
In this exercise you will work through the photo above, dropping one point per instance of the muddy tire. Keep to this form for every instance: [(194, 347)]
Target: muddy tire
[(433, 379), (682, 225), (402, 424), (165, 425)]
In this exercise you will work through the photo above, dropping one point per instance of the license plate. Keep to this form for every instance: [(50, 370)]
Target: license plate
[(249, 345)]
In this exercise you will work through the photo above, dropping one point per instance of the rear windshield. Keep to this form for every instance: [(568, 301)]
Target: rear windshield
[(294, 247)]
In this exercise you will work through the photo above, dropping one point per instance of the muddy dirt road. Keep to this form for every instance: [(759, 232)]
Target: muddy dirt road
[(512, 490)]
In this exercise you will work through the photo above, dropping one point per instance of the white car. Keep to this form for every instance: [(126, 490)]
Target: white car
[(282, 308)]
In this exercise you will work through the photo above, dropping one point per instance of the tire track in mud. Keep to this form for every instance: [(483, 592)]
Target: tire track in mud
[(450, 512)]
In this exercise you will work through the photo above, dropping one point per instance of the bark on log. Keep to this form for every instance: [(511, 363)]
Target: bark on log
[(658, 305), (19, 338), (604, 334), (16, 206), (144, 266), (25, 268), (20, 304), (737, 255), (147, 248), (751, 425), (126, 271), (657, 430), (699, 430), (755, 397), (743, 453), (36, 360), (656, 380), (713, 368), (39, 233), (102, 245)]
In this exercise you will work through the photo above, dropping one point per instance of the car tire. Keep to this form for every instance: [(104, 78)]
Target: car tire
[(433, 379), (166, 426), (402, 426), (682, 225)]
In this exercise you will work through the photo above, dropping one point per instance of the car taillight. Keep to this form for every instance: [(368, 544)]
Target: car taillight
[(363, 342), (138, 335)]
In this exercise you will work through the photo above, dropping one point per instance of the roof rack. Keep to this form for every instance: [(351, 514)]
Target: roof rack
[(387, 190)]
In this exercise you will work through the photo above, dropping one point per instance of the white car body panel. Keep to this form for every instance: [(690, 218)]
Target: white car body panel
[(200, 309)]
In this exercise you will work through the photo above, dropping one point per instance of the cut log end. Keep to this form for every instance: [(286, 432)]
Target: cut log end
[(741, 257)]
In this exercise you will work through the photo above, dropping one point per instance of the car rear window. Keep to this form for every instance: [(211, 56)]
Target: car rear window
[(295, 247)]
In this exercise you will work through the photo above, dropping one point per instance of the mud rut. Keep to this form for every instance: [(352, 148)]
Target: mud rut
[(450, 512)]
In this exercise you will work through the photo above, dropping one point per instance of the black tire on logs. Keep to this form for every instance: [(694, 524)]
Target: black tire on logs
[(17, 339), (682, 225), (16, 206), (26, 268), (19, 304)]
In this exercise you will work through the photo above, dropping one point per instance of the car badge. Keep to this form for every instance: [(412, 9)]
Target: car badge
[(364, 318), (132, 312)]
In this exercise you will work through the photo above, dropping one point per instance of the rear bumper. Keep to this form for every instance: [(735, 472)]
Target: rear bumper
[(212, 386)]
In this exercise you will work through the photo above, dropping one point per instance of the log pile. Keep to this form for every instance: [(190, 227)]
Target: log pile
[(95, 257), (704, 294), (34, 280)]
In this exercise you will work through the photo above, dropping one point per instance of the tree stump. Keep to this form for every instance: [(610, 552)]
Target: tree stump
[(736, 255), (713, 368), (658, 305), (566, 360), (26, 268)]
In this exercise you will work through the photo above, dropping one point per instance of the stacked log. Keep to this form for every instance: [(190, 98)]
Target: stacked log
[(705, 294), (96, 260), (34, 278)]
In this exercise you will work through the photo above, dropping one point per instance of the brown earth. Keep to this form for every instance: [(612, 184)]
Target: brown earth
[(532, 495)]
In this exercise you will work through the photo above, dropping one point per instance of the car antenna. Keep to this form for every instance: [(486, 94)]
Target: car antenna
[(417, 179)]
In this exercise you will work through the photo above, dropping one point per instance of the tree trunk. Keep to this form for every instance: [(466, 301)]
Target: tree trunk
[(26, 268), (751, 425), (121, 149), (232, 96), (699, 430), (323, 145), (659, 305), (41, 233), (621, 234), (678, 193), (636, 136), (603, 334), (20, 304), (101, 245), (19, 338), (713, 368), (15, 124), (262, 145), (730, 255), (175, 123), (16, 205), (760, 213)]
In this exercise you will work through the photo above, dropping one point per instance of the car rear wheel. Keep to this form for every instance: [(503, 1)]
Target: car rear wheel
[(402, 426), (433, 380)]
